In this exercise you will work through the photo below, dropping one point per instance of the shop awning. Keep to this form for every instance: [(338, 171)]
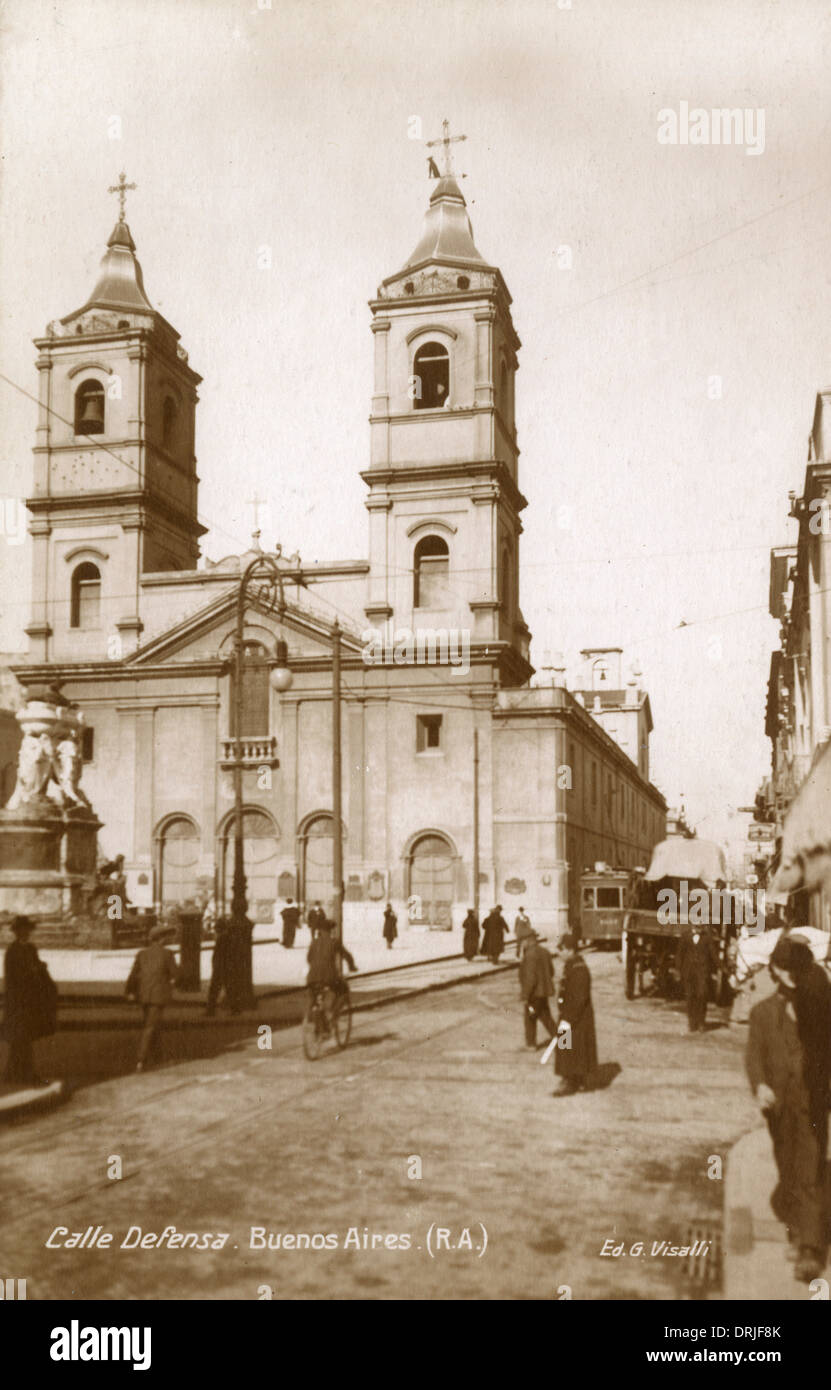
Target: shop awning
[(806, 839)]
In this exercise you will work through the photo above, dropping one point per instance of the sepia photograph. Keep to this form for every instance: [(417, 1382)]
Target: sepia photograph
[(415, 660)]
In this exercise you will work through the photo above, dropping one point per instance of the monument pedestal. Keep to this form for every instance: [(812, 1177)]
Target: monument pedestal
[(47, 860)]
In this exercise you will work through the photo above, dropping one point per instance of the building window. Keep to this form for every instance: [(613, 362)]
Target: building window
[(431, 369), (431, 571), (85, 605), (169, 417), (594, 784), (88, 744), (256, 702), (428, 732), (89, 408)]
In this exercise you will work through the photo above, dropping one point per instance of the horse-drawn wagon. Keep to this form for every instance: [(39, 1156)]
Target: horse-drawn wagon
[(682, 872)]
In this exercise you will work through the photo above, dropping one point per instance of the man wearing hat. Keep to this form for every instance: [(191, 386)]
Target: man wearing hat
[(788, 1062), (536, 984), (523, 930), (30, 1000), (323, 956), (575, 1056), (151, 983)]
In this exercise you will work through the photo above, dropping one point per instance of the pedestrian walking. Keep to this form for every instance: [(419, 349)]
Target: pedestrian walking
[(536, 985), (30, 1010), (788, 1063), (575, 1056), (495, 931), (222, 969), (316, 917), (522, 929), (470, 940), (151, 982), (291, 921), (390, 926), (695, 960)]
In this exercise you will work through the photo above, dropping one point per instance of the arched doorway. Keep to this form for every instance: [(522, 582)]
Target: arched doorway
[(260, 846), (178, 860), (430, 880), (316, 860)]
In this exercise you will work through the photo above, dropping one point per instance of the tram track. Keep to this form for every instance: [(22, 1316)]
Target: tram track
[(351, 1067)]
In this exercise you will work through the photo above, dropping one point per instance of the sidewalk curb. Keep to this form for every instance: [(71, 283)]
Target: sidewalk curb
[(267, 1000), (43, 1098)]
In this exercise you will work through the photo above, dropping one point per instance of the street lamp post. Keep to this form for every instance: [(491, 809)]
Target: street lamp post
[(262, 582), (337, 823)]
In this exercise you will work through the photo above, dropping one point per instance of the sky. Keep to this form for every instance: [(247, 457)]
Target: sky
[(672, 299)]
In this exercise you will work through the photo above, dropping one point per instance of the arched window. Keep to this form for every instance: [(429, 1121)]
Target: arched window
[(317, 861), (431, 368), (431, 571), (89, 408), (178, 861), (260, 838), (170, 416), (255, 712), (85, 606)]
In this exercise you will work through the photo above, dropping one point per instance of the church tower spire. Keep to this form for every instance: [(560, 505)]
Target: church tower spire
[(444, 500), (115, 485)]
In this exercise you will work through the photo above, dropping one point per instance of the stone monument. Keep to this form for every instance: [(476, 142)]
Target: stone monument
[(48, 830)]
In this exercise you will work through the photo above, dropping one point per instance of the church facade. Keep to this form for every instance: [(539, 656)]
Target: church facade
[(440, 726)]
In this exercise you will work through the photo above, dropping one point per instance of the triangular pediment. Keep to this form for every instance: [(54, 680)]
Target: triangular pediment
[(208, 634)]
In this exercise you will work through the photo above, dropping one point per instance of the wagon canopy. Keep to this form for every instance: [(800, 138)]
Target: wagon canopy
[(689, 859)]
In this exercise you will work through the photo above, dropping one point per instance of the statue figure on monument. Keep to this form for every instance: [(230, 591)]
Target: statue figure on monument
[(66, 769), (34, 769)]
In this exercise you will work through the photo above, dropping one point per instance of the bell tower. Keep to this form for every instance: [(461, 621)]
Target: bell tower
[(115, 485), (444, 501)]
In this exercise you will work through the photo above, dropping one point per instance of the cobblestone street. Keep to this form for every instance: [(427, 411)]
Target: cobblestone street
[(268, 1140)]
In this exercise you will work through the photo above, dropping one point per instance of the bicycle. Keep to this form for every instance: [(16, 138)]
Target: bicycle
[(328, 1014)]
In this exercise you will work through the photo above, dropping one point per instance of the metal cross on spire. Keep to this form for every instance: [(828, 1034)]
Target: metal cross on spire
[(447, 140), (121, 189)]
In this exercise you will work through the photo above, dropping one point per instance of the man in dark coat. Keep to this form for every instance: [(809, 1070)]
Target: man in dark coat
[(536, 985), (788, 1062), (470, 941), (495, 931), (29, 1004), (390, 926), (522, 929), (575, 1056), (695, 960), (324, 955), (151, 982), (316, 917), (291, 921)]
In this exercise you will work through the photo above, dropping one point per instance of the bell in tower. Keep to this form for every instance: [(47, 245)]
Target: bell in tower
[(89, 408)]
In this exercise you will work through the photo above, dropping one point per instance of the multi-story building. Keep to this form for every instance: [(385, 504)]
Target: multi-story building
[(798, 716), (435, 650)]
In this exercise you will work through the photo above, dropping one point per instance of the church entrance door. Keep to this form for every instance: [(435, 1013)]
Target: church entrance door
[(431, 881)]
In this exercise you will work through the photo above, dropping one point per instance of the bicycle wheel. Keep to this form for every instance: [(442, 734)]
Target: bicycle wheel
[(342, 1019), (312, 1033)]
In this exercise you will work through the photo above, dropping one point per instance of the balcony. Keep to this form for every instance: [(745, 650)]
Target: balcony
[(256, 752)]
